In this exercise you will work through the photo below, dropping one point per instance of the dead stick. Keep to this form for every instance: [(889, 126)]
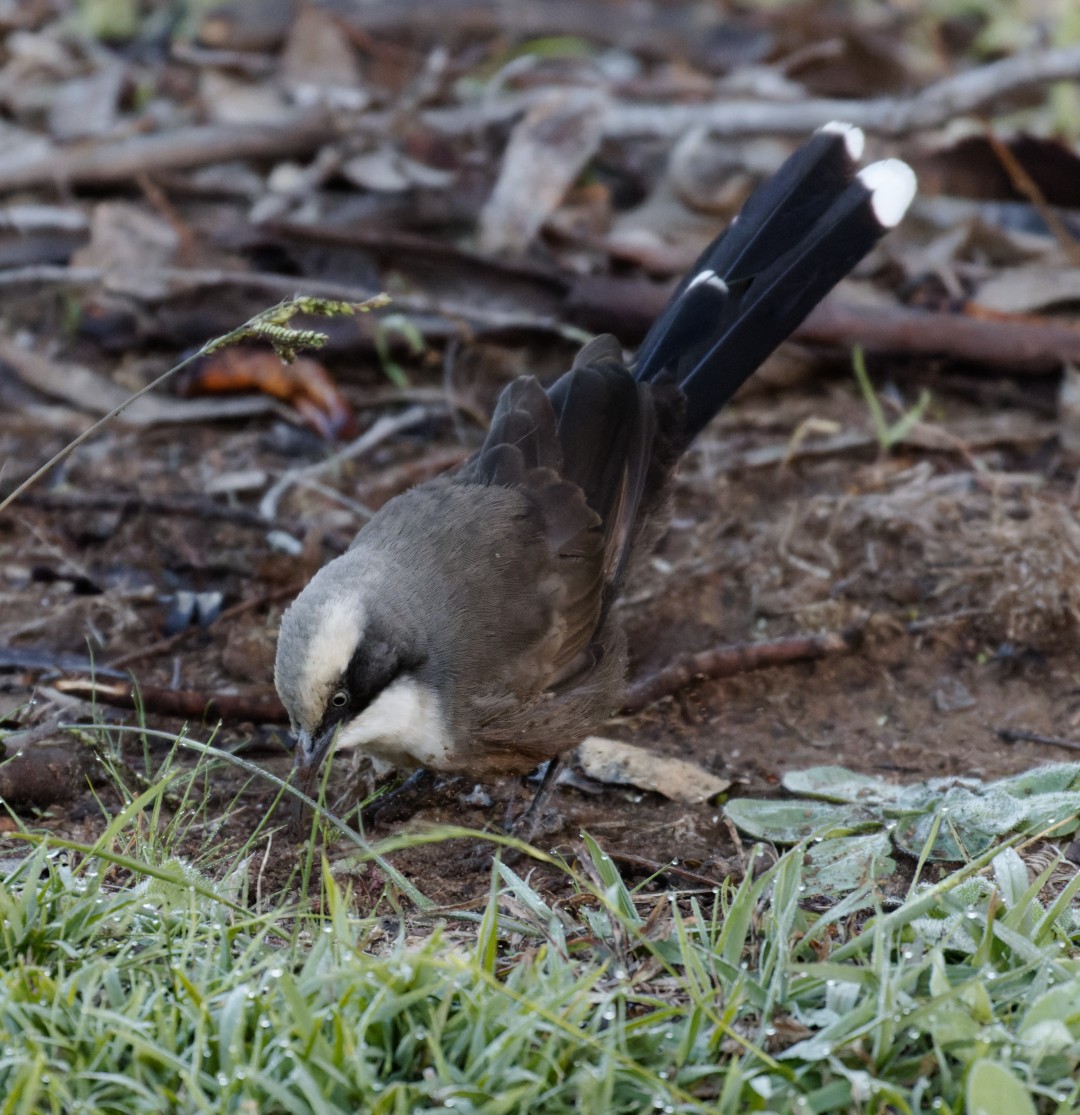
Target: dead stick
[(187, 703), (129, 503), (1022, 735), (176, 149), (738, 658), (933, 107), (1017, 343), (259, 283)]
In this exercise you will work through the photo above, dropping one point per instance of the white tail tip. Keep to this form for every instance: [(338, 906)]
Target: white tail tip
[(854, 140), (708, 278), (892, 186)]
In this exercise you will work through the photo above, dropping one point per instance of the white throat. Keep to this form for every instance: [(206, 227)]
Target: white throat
[(404, 725)]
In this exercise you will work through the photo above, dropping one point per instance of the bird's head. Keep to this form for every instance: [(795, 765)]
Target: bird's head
[(349, 669)]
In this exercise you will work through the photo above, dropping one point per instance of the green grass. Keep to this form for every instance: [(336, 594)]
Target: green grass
[(131, 981)]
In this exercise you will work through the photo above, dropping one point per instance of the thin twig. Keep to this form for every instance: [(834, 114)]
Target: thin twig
[(377, 433), (739, 658), (1022, 735), (162, 646), (270, 324), (650, 867), (1026, 185)]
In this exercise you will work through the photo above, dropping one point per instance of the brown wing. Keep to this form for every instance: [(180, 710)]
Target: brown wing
[(581, 453)]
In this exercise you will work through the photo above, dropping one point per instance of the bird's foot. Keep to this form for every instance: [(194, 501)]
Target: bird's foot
[(530, 823), (402, 801)]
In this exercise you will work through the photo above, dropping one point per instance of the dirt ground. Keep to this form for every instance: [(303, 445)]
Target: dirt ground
[(960, 563)]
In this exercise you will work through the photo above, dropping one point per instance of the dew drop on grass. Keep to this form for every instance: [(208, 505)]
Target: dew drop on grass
[(222, 1079), (264, 1023), (609, 1015), (619, 973)]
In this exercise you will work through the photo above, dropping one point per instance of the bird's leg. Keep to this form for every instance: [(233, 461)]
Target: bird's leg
[(403, 800), (525, 826)]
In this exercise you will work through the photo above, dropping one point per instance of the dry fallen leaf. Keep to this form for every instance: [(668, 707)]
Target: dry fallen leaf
[(623, 764), (546, 152), (304, 384)]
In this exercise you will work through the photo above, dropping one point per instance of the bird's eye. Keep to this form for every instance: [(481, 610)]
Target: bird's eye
[(340, 698)]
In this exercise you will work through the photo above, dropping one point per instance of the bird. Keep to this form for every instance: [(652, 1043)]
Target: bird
[(469, 628)]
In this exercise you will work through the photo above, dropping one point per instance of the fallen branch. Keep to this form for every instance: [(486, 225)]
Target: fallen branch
[(933, 107), (1018, 343), (122, 160), (1022, 735), (739, 658), (45, 659), (197, 507), (197, 280), (188, 704)]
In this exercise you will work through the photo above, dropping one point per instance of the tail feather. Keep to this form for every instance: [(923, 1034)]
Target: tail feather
[(795, 238), (774, 217)]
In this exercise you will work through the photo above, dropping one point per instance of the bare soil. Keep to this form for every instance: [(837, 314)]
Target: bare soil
[(960, 562)]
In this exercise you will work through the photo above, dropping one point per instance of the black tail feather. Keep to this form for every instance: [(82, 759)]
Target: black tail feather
[(795, 238)]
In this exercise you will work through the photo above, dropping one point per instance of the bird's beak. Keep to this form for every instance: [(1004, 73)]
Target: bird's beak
[(308, 757)]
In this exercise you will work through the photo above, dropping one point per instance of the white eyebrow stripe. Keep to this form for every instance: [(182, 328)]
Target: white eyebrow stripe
[(341, 627)]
